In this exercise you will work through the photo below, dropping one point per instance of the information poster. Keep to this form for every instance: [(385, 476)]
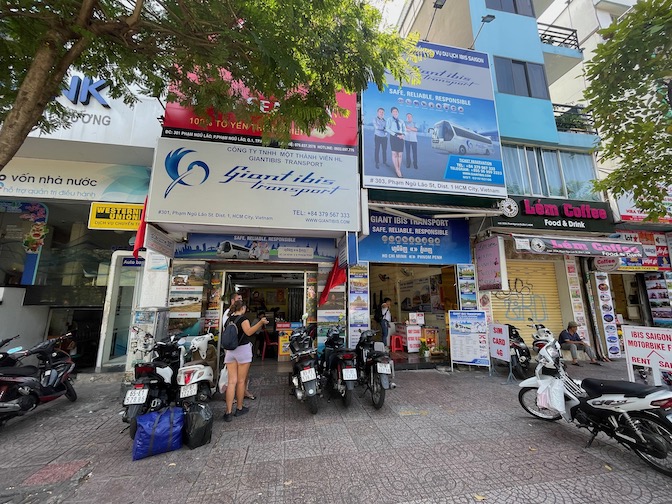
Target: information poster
[(499, 342), (607, 314), (468, 338), (466, 279), (578, 310), (659, 298), (185, 298), (358, 301), (649, 347)]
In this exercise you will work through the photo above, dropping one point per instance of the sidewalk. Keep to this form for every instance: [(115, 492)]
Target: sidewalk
[(457, 437)]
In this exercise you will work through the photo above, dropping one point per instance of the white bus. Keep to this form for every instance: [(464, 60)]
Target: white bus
[(449, 137), (230, 250)]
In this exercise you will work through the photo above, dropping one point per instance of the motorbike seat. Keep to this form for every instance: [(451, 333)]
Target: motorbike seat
[(595, 388), (19, 371)]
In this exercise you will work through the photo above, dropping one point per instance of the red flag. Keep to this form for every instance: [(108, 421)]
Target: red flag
[(140, 233), (336, 277)]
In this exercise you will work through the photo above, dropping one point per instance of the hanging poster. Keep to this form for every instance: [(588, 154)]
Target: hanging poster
[(468, 338), (358, 301), (466, 280), (606, 314), (491, 264)]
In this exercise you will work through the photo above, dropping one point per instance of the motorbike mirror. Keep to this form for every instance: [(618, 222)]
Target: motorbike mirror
[(304, 317), (181, 341), (529, 318)]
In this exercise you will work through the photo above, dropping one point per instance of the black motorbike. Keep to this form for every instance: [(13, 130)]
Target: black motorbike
[(22, 388), (304, 379), (10, 358), (374, 368), (154, 384), (520, 353), (337, 365)]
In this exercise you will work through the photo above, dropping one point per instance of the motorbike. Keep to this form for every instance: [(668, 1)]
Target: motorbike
[(337, 365), (374, 367), (520, 353), (10, 358), (304, 379), (635, 415), (196, 378), (541, 335), (154, 385), (24, 387)]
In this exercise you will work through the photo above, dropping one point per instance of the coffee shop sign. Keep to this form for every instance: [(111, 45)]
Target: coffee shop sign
[(584, 211)]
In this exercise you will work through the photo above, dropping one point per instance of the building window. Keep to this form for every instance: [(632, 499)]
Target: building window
[(522, 7), (521, 78), (531, 171)]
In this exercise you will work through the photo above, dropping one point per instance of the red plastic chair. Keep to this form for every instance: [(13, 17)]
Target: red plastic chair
[(268, 343), (396, 343)]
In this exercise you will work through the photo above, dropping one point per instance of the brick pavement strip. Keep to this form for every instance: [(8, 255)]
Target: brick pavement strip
[(457, 437)]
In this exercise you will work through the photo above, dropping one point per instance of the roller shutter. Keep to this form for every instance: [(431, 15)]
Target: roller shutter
[(534, 293)]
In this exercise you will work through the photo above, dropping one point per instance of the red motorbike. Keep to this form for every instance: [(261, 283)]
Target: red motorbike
[(22, 388)]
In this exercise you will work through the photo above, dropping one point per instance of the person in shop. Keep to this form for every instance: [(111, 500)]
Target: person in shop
[(258, 336), (386, 319), (238, 361), (225, 317), (570, 340)]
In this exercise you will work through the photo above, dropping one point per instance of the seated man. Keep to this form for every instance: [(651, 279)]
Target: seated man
[(570, 340)]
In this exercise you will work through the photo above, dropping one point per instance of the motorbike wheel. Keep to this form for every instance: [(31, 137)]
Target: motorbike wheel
[(133, 427), (70, 391), (203, 394), (516, 368), (528, 400), (346, 397), (377, 392), (658, 434), (312, 404)]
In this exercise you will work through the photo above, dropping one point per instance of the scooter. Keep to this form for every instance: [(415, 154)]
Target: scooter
[(635, 415), (304, 379), (541, 335), (23, 388), (196, 379), (9, 358), (374, 367), (337, 365), (520, 353)]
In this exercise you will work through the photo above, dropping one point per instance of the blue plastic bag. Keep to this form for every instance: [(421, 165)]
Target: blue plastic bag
[(158, 432)]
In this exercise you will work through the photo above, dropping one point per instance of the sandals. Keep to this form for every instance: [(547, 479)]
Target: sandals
[(251, 397)]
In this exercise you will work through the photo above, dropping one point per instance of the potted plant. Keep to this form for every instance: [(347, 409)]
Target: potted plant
[(424, 349)]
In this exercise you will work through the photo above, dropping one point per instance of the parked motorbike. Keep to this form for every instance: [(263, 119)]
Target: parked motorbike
[(196, 378), (520, 353), (541, 335), (154, 384), (10, 357), (337, 365), (23, 388), (304, 379), (636, 415), (374, 368)]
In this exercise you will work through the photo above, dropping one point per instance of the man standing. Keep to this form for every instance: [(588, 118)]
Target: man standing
[(386, 319), (380, 136), (411, 141), (570, 340)]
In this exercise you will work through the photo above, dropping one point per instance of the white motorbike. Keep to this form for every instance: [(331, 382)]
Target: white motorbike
[(541, 335), (637, 416), (196, 378)]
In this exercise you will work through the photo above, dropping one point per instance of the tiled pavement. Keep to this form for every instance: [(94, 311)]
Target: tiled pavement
[(456, 437)]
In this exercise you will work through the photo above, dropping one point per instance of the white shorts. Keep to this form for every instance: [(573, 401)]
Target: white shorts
[(241, 355)]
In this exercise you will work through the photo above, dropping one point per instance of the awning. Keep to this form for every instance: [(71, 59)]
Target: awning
[(596, 247), (435, 211)]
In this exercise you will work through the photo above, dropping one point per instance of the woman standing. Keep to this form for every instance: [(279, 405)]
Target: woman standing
[(397, 130), (238, 361)]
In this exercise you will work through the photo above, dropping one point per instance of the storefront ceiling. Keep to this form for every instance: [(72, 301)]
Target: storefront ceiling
[(45, 148)]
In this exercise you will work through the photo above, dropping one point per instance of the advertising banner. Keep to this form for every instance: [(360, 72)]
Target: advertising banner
[(260, 187), (257, 248), (649, 347), (491, 264), (358, 302), (498, 337), (596, 247), (395, 239), (630, 213), (116, 216), (185, 299), (656, 252), (468, 338), (439, 136), (466, 281), (606, 314)]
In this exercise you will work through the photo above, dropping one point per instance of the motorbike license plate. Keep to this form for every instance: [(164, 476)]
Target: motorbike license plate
[(308, 375), (136, 396), (384, 368), (349, 374), (188, 390)]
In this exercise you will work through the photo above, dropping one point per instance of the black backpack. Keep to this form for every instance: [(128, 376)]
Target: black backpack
[(230, 339), (378, 314)]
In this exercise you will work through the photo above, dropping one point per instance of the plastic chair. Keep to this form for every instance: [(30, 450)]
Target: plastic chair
[(396, 343), (268, 343)]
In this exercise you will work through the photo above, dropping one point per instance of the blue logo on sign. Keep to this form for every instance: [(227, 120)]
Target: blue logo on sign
[(83, 90), (172, 164)]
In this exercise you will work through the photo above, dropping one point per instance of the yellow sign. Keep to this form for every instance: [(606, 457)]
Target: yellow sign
[(283, 339), (117, 216)]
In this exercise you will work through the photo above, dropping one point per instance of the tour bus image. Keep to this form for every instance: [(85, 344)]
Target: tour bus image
[(231, 250), (449, 137)]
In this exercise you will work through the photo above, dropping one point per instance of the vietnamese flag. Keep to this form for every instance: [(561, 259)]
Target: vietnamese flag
[(140, 233), (337, 276)]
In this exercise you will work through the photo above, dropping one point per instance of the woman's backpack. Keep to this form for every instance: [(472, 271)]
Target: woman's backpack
[(230, 338)]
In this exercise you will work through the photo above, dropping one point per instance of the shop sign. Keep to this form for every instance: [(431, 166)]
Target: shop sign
[(116, 216), (71, 180), (656, 252), (597, 247), (606, 263), (649, 347), (159, 242), (449, 119), (498, 338), (547, 213), (359, 319), (224, 184), (132, 262), (630, 213), (257, 248), (491, 264), (468, 338), (395, 239)]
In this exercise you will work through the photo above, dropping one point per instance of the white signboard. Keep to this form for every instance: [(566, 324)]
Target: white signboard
[(159, 242), (468, 337), (252, 186), (499, 342), (649, 347)]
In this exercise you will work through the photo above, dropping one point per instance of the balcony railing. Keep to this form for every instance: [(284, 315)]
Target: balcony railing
[(558, 36), (573, 118)]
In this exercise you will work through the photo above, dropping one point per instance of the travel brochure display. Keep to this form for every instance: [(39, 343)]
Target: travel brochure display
[(648, 347), (466, 280), (358, 300), (658, 293), (468, 338), (606, 314)]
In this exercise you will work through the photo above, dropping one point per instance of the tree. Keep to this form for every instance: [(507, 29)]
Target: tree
[(212, 53), (630, 95)]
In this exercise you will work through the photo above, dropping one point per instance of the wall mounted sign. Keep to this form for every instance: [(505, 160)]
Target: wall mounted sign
[(596, 247), (656, 252), (491, 264), (115, 216), (159, 241)]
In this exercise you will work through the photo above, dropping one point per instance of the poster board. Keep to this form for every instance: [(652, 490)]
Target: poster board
[(649, 347), (468, 338)]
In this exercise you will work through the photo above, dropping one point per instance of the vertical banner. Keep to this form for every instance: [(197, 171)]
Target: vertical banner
[(358, 302), (491, 265), (649, 347), (466, 280), (499, 342), (606, 314), (330, 312), (468, 338), (578, 309)]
